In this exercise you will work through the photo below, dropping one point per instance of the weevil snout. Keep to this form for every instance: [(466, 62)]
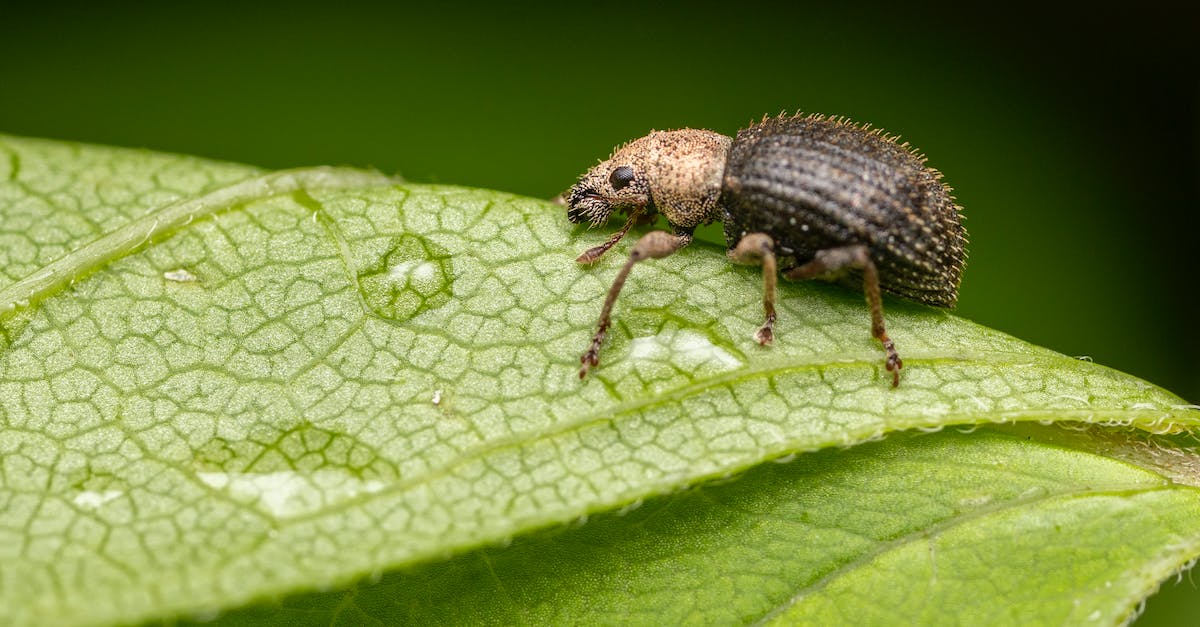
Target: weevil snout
[(586, 204), (612, 185)]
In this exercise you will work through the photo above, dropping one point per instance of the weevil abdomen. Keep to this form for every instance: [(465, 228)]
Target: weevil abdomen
[(815, 183)]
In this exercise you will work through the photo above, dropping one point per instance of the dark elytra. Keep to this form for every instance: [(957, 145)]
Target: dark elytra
[(820, 197), (814, 183)]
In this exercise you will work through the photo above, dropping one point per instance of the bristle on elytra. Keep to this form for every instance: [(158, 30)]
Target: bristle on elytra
[(842, 120)]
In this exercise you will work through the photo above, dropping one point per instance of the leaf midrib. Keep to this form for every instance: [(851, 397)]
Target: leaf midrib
[(517, 440)]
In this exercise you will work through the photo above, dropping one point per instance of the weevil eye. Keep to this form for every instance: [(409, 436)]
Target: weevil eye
[(621, 177)]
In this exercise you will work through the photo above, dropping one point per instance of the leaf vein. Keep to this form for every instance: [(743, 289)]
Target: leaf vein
[(931, 531), (164, 221)]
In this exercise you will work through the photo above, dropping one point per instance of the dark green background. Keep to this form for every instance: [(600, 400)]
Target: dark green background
[(1070, 136)]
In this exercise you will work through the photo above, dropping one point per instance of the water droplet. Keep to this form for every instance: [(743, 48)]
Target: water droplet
[(301, 471), (180, 275), (975, 501), (93, 499), (630, 507), (413, 275), (289, 493), (206, 615), (685, 348)]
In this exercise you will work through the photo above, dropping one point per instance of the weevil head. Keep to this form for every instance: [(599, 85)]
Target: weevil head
[(675, 172), (618, 183)]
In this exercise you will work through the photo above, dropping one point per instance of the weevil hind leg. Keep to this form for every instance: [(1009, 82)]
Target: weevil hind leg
[(653, 245), (831, 262), (759, 249)]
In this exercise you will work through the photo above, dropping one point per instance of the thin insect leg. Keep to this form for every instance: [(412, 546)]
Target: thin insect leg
[(829, 263), (871, 286), (592, 254), (653, 245), (758, 248), (832, 261)]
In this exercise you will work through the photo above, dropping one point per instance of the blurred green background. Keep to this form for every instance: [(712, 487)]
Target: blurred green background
[(1071, 136)]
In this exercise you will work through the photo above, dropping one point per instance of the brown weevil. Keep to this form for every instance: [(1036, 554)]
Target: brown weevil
[(818, 197)]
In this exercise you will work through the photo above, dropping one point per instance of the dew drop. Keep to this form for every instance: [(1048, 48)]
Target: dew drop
[(685, 348), (206, 615), (299, 472), (412, 275), (94, 499), (180, 275)]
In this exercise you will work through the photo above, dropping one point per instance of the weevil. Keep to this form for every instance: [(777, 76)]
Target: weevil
[(817, 197)]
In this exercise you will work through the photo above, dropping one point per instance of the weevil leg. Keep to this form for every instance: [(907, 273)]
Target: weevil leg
[(832, 261), (653, 245), (759, 248), (592, 254)]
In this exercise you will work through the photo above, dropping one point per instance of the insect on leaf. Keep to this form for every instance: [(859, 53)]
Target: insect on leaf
[(222, 386)]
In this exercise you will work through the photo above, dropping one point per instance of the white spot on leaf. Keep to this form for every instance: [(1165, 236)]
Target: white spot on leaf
[(416, 270), (93, 499), (291, 493), (976, 500), (685, 348), (180, 275)]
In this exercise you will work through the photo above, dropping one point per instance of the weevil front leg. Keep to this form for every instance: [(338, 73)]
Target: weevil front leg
[(594, 253), (833, 261), (653, 245), (759, 248)]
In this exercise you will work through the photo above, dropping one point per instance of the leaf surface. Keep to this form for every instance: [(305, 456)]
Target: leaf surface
[(219, 385), (1030, 525)]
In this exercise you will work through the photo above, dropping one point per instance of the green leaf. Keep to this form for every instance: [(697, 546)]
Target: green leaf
[(219, 385), (1013, 526)]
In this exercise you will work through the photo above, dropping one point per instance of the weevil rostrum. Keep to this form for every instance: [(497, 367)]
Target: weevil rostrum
[(817, 197)]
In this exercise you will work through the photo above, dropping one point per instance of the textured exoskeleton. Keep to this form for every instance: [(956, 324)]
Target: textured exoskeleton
[(819, 197)]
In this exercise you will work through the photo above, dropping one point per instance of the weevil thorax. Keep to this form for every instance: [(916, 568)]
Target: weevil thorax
[(677, 173)]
